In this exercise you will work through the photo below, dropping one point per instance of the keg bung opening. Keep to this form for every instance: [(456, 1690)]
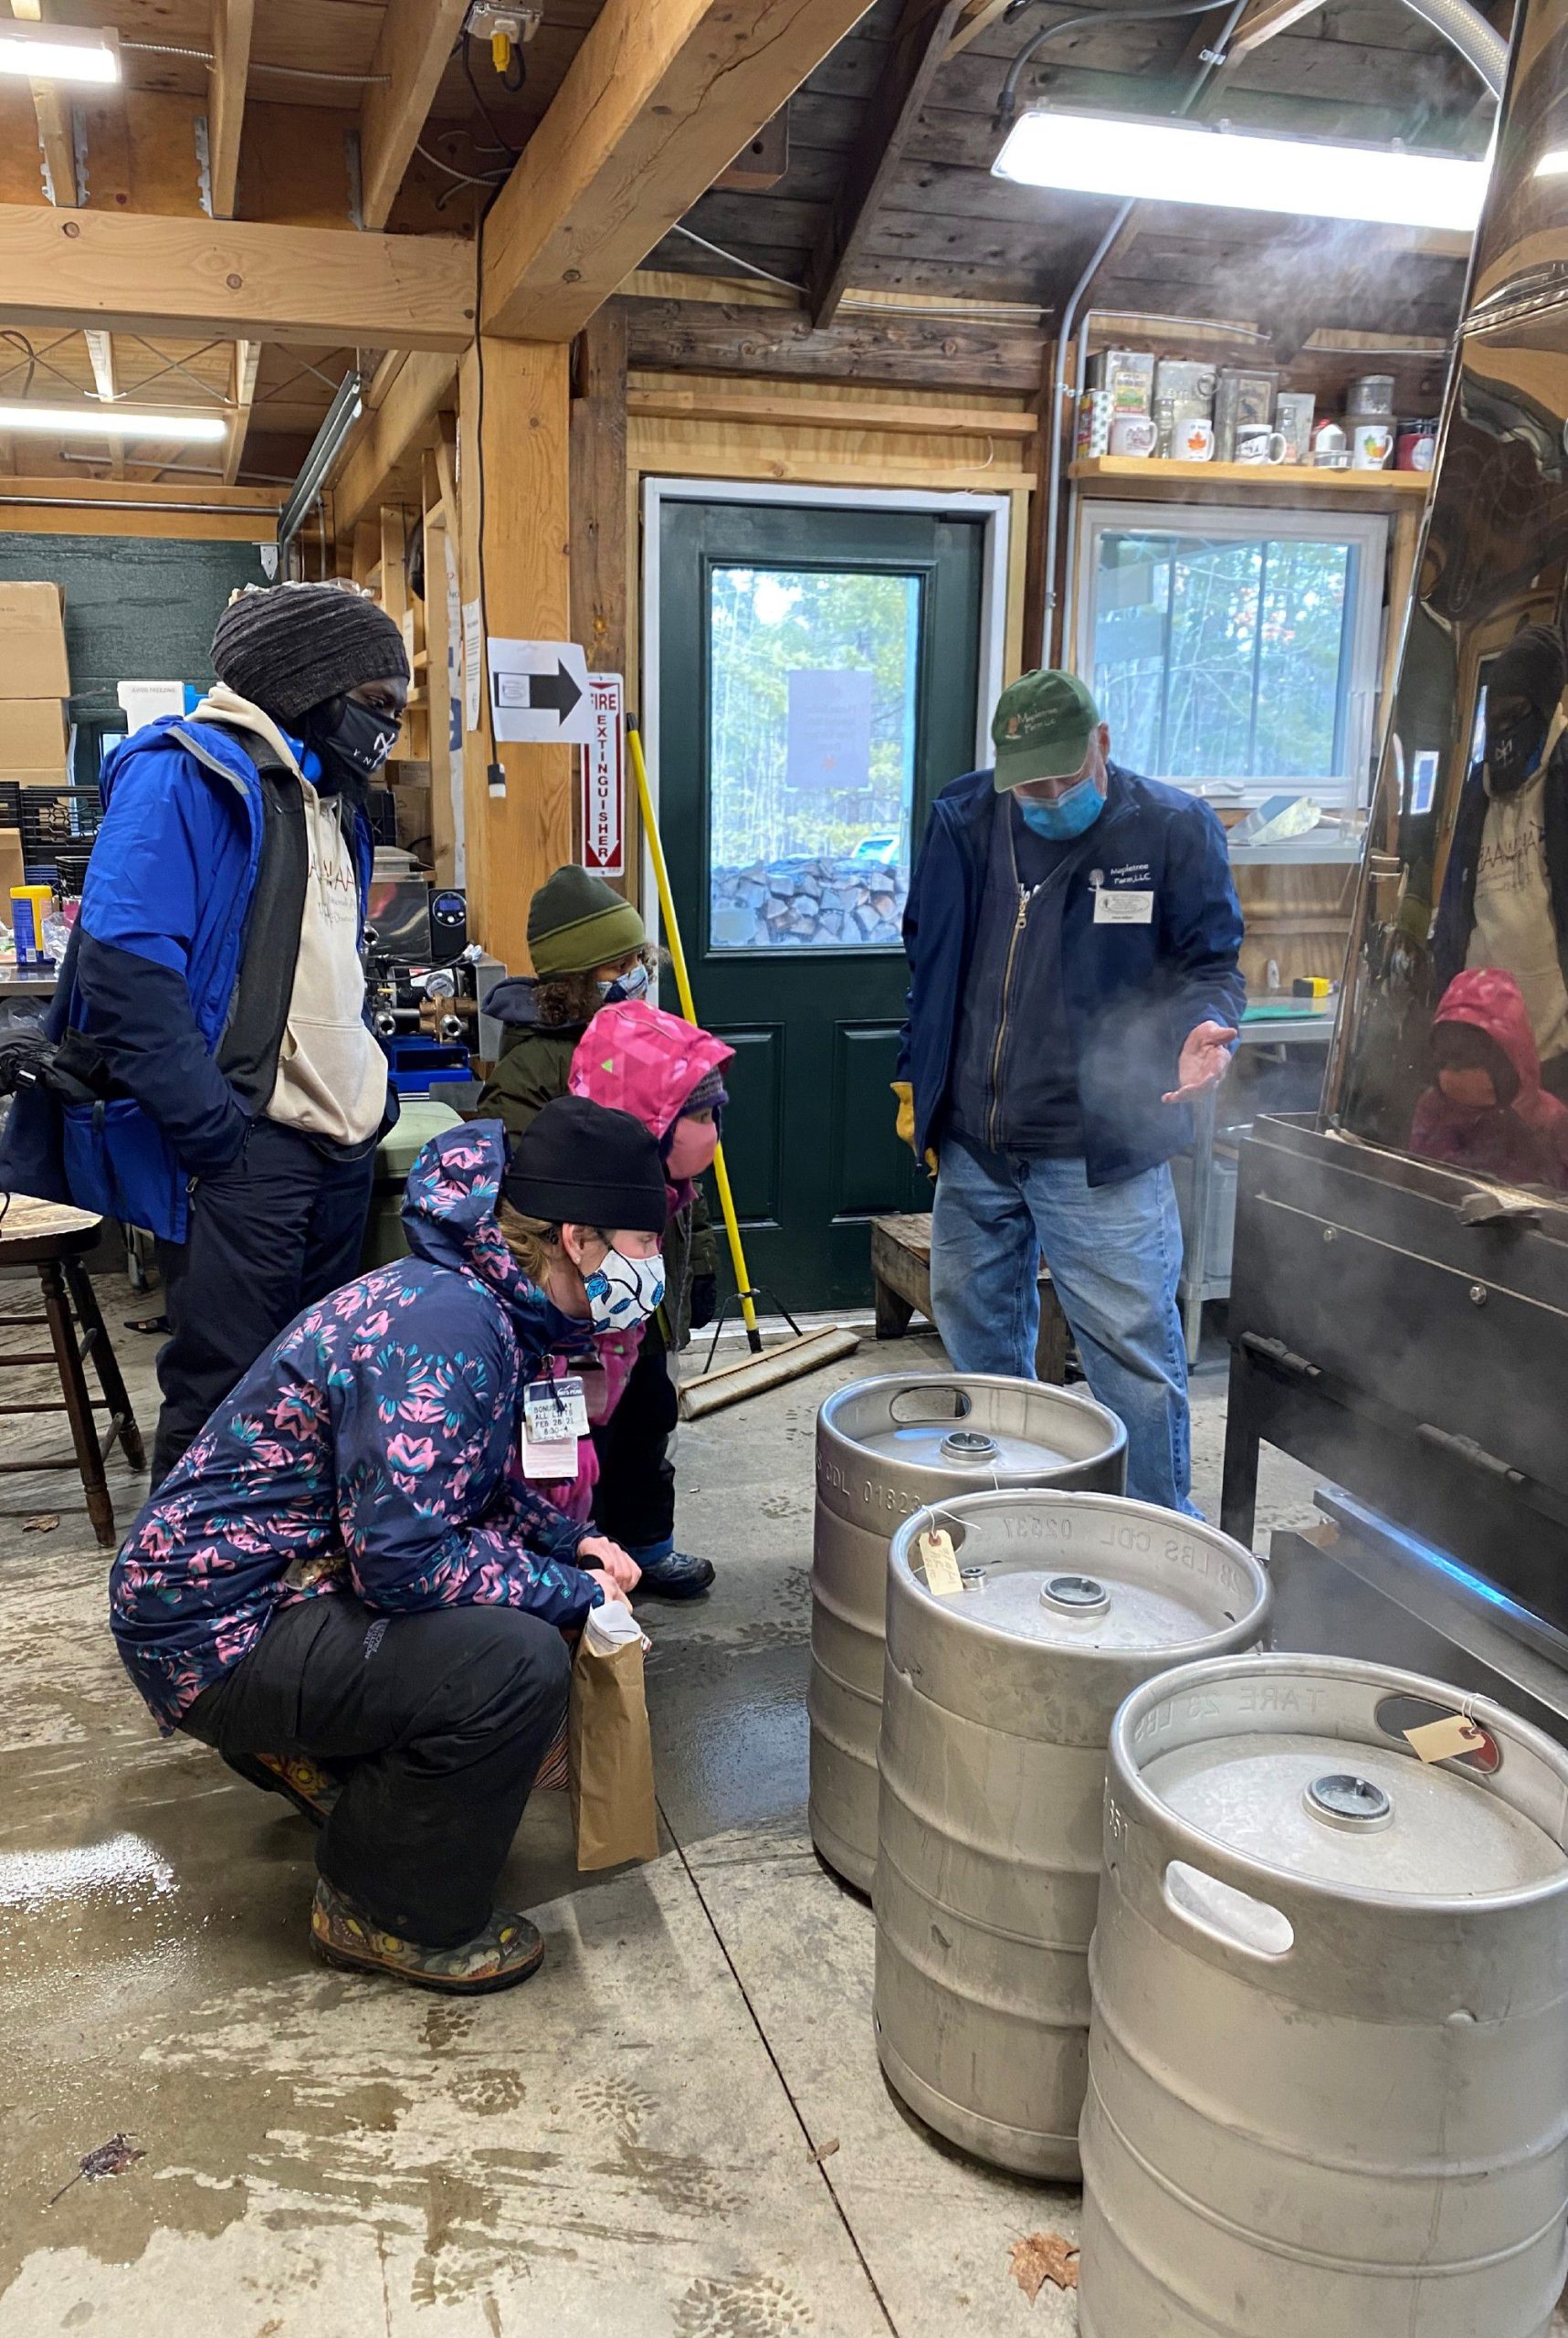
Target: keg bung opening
[(1341, 1799), (969, 1449), (921, 1402), (1076, 1594)]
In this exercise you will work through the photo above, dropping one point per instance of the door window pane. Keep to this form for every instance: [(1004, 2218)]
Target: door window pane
[(1225, 656), (811, 756)]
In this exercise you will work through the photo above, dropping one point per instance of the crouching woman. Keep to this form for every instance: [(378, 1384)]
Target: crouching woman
[(348, 1586)]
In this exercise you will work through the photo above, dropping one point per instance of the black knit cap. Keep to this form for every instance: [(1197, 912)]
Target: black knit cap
[(1534, 666), (288, 646), (580, 1164)]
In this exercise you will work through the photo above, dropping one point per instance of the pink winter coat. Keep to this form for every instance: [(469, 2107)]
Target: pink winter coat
[(1524, 1142)]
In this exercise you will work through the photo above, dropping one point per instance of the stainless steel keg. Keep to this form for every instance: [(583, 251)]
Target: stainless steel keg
[(995, 1716), (885, 1447), (1329, 2061)]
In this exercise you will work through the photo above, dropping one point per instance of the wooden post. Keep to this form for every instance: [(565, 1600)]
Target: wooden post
[(513, 438), (443, 829), (599, 532)]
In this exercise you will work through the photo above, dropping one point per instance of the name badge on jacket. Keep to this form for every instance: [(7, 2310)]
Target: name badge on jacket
[(1114, 907)]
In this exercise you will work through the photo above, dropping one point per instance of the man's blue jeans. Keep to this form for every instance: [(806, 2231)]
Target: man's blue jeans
[(1114, 1253)]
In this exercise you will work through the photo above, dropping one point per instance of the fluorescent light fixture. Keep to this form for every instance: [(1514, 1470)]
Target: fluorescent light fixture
[(59, 53), (1154, 161), (112, 422)]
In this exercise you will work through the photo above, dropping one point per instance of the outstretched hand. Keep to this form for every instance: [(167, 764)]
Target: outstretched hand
[(1205, 1060), (596, 1554)]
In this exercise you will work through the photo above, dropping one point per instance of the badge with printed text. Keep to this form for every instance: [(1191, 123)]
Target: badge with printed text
[(554, 1409), (1115, 906)]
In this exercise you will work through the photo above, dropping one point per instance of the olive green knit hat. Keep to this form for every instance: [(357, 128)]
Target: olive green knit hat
[(576, 921)]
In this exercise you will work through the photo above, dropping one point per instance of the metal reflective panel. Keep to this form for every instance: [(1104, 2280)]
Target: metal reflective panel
[(1454, 1039)]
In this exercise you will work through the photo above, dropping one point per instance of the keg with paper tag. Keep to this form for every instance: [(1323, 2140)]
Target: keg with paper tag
[(885, 1447), (998, 1700), (1329, 2057)]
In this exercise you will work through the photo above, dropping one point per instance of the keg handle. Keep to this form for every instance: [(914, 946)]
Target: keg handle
[(959, 1405), (1231, 1917)]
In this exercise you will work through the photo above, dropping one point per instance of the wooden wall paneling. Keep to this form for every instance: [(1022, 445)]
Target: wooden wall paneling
[(514, 437), (939, 353)]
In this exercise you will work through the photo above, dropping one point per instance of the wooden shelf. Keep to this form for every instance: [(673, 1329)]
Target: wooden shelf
[(1200, 482)]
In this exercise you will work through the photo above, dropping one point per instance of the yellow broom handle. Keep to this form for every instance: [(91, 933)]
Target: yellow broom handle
[(688, 1008)]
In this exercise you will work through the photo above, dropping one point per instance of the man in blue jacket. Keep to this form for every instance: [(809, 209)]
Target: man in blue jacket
[(213, 992), (1072, 933)]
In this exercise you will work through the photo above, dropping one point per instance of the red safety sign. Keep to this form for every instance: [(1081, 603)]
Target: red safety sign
[(605, 779)]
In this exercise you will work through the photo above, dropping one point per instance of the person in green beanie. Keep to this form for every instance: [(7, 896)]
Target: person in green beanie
[(590, 949)]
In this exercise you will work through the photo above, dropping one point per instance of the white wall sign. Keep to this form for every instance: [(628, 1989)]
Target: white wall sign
[(473, 662), (829, 728), (538, 692), (605, 779)]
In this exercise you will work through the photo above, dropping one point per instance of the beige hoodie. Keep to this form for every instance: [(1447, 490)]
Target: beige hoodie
[(332, 1073)]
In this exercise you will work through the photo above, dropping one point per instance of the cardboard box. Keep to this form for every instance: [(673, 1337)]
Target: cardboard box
[(33, 642), (12, 871), (33, 738)]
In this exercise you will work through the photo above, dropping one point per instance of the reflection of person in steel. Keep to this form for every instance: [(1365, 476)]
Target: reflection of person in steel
[(1486, 1109), (1505, 895)]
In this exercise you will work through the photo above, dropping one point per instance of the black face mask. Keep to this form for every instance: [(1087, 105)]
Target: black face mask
[(352, 741), (1513, 750)]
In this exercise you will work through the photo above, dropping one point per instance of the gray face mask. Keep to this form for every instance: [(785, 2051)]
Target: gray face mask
[(633, 983)]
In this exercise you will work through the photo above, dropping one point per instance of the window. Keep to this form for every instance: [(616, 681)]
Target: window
[(1233, 651)]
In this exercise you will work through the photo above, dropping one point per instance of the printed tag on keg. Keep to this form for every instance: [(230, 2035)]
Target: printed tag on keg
[(941, 1566), (1442, 1741)]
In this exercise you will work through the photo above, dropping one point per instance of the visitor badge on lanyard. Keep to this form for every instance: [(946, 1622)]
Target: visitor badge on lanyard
[(555, 1416)]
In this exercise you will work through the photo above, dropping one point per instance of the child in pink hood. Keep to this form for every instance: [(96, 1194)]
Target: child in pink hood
[(669, 1076), (1486, 1109)]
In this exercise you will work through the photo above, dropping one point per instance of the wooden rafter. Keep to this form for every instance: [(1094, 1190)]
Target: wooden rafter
[(660, 98), (407, 421), (1263, 19), (55, 137), (233, 280), (232, 21), (247, 359), (416, 41), (978, 17), (914, 54)]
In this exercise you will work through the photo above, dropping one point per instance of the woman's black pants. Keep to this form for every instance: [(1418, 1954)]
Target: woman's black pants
[(439, 1722)]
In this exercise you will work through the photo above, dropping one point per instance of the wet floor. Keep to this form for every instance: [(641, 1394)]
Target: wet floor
[(678, 2130)]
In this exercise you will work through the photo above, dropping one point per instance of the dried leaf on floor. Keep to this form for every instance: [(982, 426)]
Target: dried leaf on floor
[(824, 2151), (112, 2158), (44, 1524), (1044, 2257)]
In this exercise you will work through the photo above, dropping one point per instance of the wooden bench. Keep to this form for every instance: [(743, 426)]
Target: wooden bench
[(900, 1269)]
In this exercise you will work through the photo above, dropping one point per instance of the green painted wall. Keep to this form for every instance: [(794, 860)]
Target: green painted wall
[(137, 609)]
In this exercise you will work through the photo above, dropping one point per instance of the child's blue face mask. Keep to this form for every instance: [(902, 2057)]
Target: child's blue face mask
[(1068, 816)]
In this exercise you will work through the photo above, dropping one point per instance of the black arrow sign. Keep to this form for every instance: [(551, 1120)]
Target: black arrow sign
[(559, 689)]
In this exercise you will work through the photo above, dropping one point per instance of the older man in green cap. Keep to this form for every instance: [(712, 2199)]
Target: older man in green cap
[(1073, 934)]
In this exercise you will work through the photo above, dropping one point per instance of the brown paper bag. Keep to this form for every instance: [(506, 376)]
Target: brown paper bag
[(611, 1757)]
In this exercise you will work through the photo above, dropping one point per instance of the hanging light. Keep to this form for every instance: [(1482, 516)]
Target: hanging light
[(1154, 161), (111, 421), (59, 53)]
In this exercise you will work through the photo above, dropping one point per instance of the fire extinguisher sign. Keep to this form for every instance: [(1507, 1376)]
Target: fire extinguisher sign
[(605, 779)]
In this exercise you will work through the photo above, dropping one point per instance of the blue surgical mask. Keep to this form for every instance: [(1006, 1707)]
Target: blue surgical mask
[(1067, 816)]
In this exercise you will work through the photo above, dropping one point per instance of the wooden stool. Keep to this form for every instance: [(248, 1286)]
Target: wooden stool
[(900, 1266), (52, 1237)]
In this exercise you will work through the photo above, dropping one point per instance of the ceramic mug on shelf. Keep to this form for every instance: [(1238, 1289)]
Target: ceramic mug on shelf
[(1133, 434), (1371, 443), (1255, 443), (1193, 442)]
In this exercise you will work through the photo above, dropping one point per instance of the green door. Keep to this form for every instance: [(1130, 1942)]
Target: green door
[(818, 679)]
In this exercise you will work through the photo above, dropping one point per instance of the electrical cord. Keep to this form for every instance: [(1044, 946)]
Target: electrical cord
[(295, 72), (503, 145), (464, 178), (735, 258), (1007, 102)]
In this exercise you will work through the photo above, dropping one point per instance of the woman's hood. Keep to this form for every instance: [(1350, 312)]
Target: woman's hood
[(450, 1217), (637, 1058)]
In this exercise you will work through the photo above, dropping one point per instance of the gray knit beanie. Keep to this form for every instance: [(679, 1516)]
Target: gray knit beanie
[(288, 646)]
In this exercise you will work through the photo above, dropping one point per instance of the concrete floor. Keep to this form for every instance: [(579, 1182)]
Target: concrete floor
[(628, 2145)]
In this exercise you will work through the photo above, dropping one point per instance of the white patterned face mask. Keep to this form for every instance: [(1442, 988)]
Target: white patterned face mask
[(624, 1291)]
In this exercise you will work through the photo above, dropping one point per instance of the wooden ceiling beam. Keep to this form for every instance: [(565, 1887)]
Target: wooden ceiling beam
[(232, 22), (416, 40), (247, 359), (660, 98), (388, 435), (233, 280), (914, 56), (1263, 19)]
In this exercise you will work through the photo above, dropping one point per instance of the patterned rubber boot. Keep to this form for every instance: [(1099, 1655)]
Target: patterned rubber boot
[(303, 1782), (508, 1950)]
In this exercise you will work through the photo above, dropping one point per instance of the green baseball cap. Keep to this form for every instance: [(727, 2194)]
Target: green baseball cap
[(1041, 728)]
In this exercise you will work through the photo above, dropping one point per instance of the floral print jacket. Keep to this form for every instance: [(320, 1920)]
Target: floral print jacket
[(372, 1447)]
